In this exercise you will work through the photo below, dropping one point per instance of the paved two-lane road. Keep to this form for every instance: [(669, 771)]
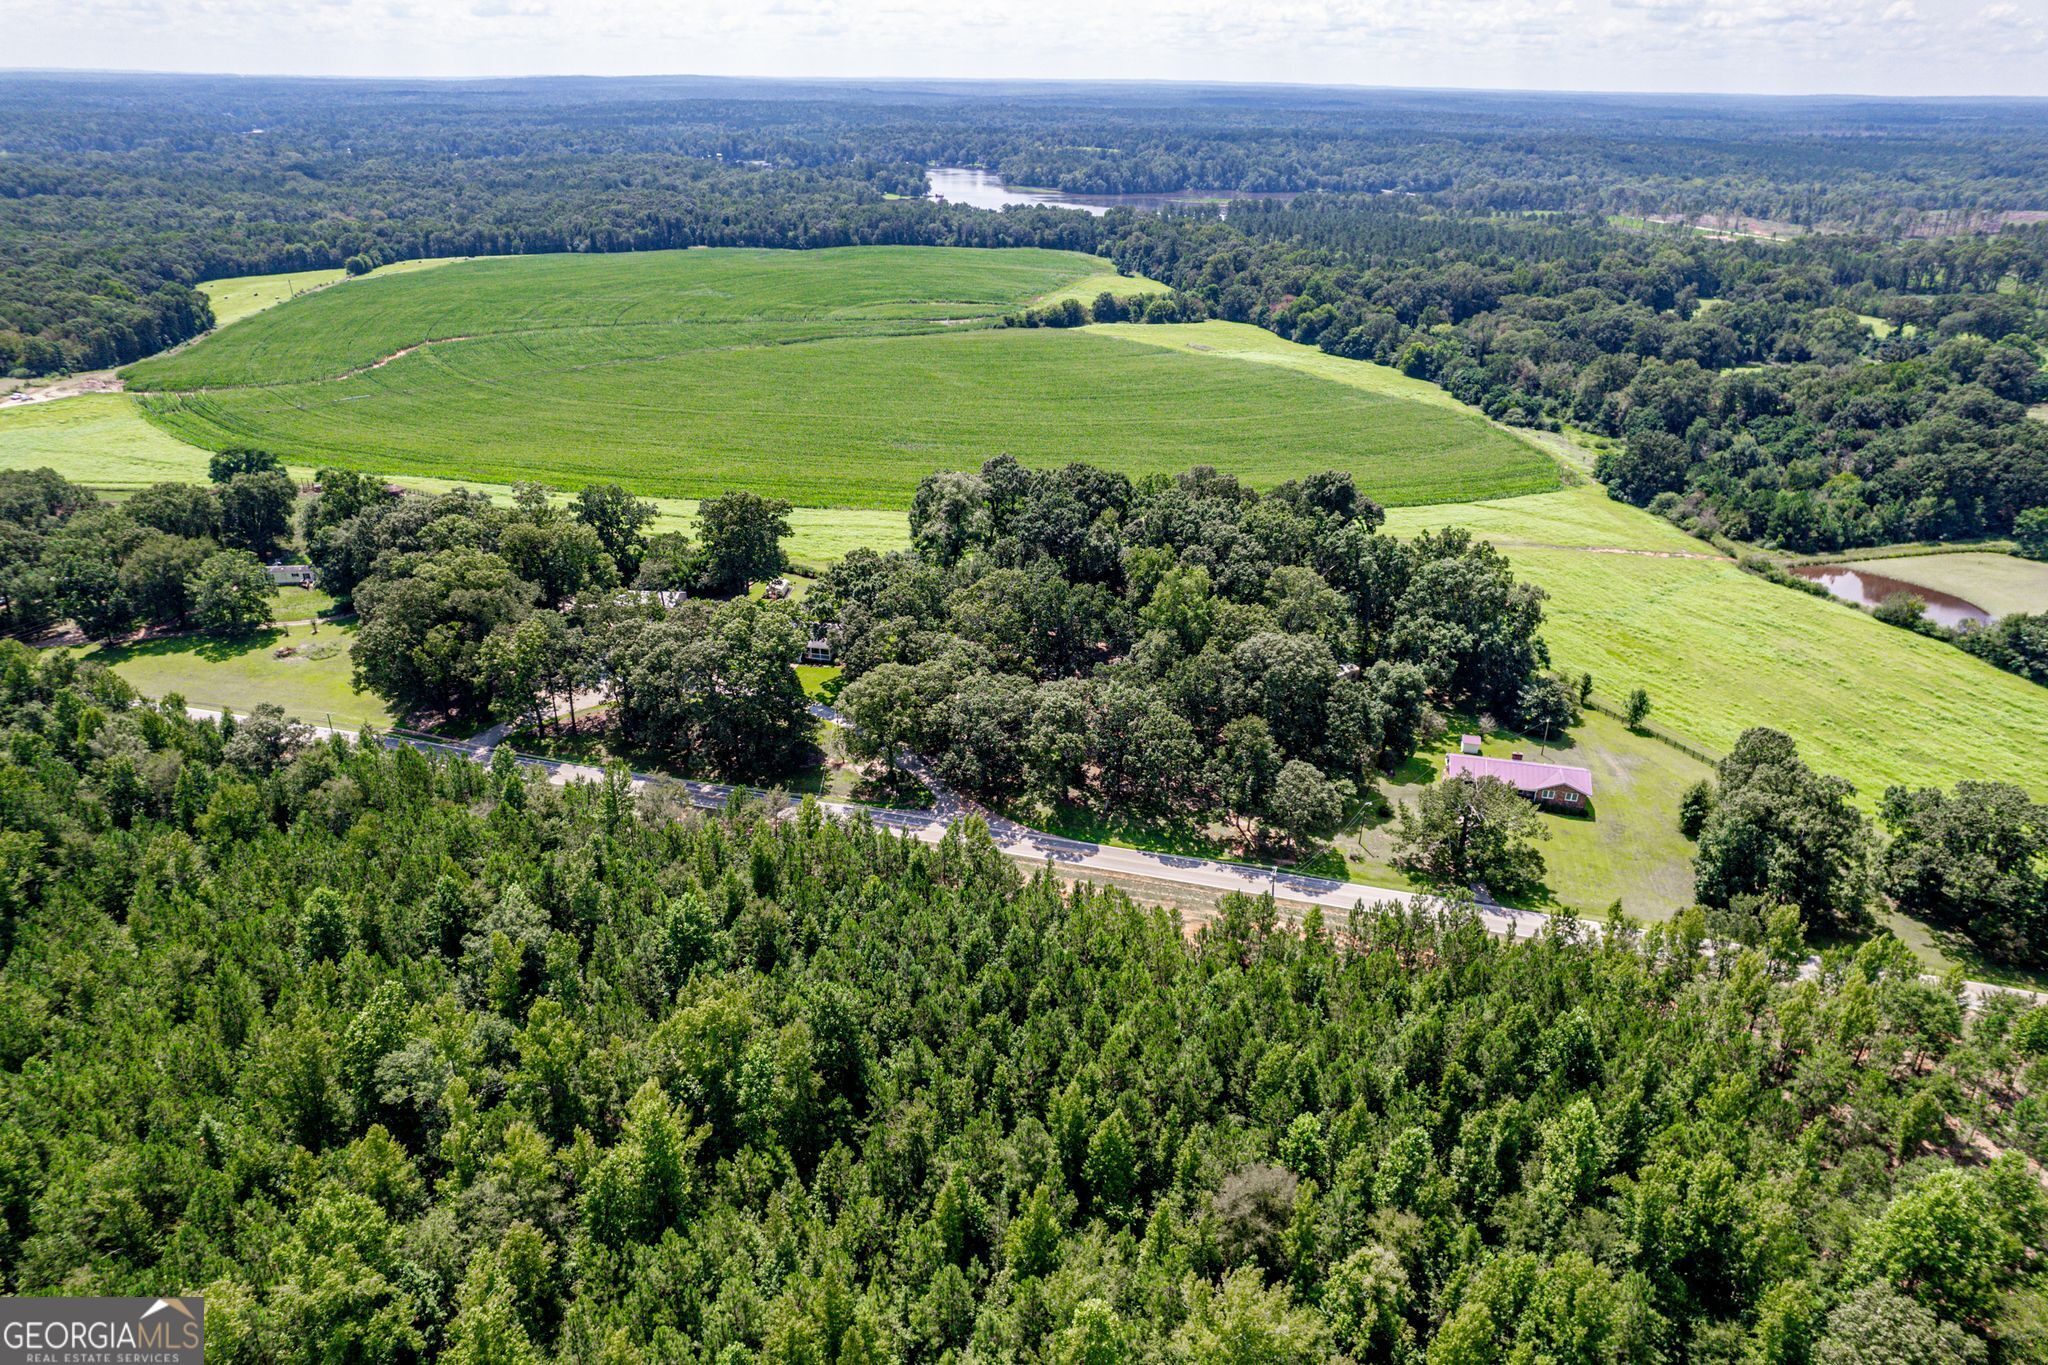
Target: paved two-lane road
[(1072, 856)]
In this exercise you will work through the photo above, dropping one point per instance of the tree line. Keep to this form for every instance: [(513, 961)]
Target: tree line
[(467, 610), (1176, 649), (1780, 844)]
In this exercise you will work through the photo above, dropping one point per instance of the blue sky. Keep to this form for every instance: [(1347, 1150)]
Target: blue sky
[(1905, 47)]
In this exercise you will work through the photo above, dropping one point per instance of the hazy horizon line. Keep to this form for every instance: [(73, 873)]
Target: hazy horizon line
[(1612, 92)]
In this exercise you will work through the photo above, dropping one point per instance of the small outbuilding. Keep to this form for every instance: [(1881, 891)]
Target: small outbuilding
[(1469, 744), (1553, 786)]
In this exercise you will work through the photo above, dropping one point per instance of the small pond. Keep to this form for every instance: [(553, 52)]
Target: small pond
[(985, 190), (1867, 589)]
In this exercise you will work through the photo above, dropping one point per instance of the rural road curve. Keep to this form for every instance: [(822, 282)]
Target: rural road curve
[(1073, 856)]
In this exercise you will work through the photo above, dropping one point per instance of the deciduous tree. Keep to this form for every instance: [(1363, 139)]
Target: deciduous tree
[(1467, 831), (230, 593)]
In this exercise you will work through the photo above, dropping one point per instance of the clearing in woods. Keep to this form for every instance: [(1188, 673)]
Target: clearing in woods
[(1629, 850), (832, 378), (290, 666)]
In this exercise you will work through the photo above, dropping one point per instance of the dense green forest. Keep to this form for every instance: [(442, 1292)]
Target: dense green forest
[(119, 193), (397, 1060), (1746, 384)]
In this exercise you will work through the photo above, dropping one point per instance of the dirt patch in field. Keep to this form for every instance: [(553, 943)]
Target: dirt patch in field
[(402, 352), (1646, 554), (70, 386), (1607, 550)]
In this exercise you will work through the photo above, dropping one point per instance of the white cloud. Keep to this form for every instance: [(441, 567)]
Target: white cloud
[(1788, 46)]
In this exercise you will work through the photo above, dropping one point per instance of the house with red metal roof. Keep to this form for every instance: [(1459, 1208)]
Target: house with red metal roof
[(1553, 786)]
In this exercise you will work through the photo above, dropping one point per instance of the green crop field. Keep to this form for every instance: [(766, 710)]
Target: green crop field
[(2001, 584), (636, 303), (831, 378), (102, 440), (1720, 650), (241, 296)]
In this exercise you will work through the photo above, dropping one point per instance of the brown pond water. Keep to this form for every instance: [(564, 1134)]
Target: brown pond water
[(981, 189), (1867, 589)]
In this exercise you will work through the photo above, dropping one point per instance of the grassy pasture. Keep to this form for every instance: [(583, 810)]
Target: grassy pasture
[(241, 296), (1095, 286), (1241, 341), (1582, 517), (1720, 650), (2001, 584), (97, 439), (831, 378)]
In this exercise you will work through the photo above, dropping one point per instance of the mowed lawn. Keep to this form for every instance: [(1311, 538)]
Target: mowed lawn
[(1720, 650), (1628, 850), (830, 378), (311, 684)]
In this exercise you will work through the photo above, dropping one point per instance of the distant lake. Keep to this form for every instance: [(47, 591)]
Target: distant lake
[(985, 190), (1867, 589)]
